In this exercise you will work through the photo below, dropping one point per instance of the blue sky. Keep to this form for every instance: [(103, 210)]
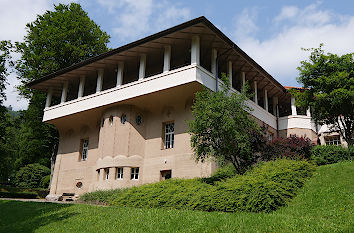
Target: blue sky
[(271, 32)]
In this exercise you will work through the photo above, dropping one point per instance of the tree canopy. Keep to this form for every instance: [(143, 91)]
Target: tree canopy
[(328, 89), (222, 129)]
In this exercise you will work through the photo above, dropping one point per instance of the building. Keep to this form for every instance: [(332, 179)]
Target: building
[(122, 115)]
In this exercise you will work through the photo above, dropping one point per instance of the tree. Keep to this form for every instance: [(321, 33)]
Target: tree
[(222, 129), (328, 81), (6, 134), (55, 40)]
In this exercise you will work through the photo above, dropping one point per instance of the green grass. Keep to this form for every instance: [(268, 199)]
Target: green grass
[(324, 204)]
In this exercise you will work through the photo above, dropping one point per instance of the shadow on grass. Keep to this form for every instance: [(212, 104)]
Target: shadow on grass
[(17, 216)]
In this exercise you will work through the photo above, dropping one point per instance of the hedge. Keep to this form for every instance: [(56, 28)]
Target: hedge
[(27, 195), (328, 154), (264, 188)]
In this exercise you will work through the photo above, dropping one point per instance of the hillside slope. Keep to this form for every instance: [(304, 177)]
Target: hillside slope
[(325, 204)]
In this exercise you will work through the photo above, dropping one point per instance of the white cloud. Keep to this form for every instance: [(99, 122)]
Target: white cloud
[(136, 18), (281, 53)]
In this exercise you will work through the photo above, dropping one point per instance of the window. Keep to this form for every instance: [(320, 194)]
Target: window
[(106, 171), (169, 136), (84, 148), (166, 174), (270, 137), (119, 173), (98, 174), (135, 173), (139, 120), (123, 119), (333, 140)]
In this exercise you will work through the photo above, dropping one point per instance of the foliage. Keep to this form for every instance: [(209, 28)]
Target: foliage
[(45, 182), (292, 147), (324, 204), (227, 171), (221, 127), (328, 81), (31, 175), (26, 195), (55, 40), (328, 154), (5, 48), (264, 188)]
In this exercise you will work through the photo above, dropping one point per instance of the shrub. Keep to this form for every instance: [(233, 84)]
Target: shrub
[(99, 197), (45, 182), (27, 195), (264, 188), (328, 154), (292, 147), (31, 175), (222, 173)]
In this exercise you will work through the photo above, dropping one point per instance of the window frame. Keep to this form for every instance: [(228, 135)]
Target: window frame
[(84, 147), (106, 173), (168, 136), (134, 173), (119, 175), (333, 140)]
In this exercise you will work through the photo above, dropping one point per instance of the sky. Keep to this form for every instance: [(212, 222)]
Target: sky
[(271, 32)]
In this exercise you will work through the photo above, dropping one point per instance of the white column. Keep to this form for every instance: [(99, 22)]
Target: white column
[(275, 104), (64, 92), (266, 100), (167, 58), (255, 92), (48, 101), (293, 106), (80, 93), (99, 80), (142, 66), (195, 50), (308, 112), (214, 55), (120, 70), (243, 78), (229, 71)]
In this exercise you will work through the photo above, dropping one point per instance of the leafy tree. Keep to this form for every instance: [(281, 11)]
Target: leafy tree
[(31, 175), (55, 40), (222, 129), (328, 81), (6, 136)]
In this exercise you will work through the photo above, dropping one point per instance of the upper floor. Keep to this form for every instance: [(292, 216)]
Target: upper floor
[(189, 53)]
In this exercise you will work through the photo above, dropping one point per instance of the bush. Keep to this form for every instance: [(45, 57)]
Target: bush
[(328, 154), (222, 173), (45, 182), (292, 147), (31, 175), (27, 195), (99, 197), (264, 188)]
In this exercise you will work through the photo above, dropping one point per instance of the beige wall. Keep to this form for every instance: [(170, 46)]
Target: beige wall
[(125, 145)]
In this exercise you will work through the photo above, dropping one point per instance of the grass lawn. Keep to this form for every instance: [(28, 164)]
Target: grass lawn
[(325, 204)]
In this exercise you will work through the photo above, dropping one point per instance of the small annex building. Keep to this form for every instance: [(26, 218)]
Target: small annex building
[(122, 115)]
